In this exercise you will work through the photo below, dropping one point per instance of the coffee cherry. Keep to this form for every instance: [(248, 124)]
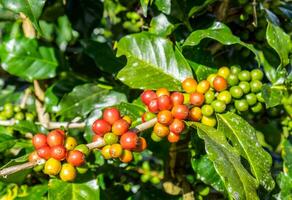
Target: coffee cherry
[(55, 138), (52, 167), (244, 75), (186, 98), (148, 116), (260, 97), (82, 169), (180, 112), (235, 69), (189, 85), (244, 86), (116, 150), (257, 108), (162, 91), (111, 115), (160, 130), (225, 96), (164, 117), (83, 149), (126, 156), (155, 137), (256, 86), (110, 138), (251, 99), (173, 138), (129, 140), (164, 102), (147, 96), (33, 157), (211, 78), (101, 127), (76, 158), (29, 117), (105, 152), (224, 72), (177, 98), (153, 106), (58, 152), (177, 126), (39, 140), (241, 105), (141, 145), (232, 80), (120, 127), (207, 110), (209, 121), (203, 86), (128, 119), (19, 116), (219, 84), (70, 143), (257, 74), (209, 97), (195, 114), (197, 99), (219, 106), (68, 172), (44, 152), (236, 92), (97, 138), (59, 131)]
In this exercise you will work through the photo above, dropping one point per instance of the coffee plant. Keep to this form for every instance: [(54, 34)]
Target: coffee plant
[(144, 99)]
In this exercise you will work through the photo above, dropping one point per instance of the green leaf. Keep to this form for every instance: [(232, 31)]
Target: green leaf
[(220, 32), (238, 182), (34, 192), (197, 8), (31, 8), (161, 26), (164, 6), (152, 62), (206, 172), (279, 41), (144, 5), (24, 58), (85, 190), (6, 142), (272, 95), (27, 126), (243, 137)]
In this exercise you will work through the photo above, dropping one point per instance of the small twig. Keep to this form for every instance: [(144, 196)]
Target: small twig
[(27, 26), (50, 125), (255, 17), (24, 99), (145, 125)]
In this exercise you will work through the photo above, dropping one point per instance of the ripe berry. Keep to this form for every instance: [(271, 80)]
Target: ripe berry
[(195, 114), (68, 172), (129, 140), (147, 96), (101, 127), (203, 86), (219, 84), (173, 138), (33, 157), (44, 152), (224, 72), (83, 149), (164, 117), (126, 156), (111, 115), (209, 121), (160, 130), (116, 150), (177, 126), (197, 99), (180, 112), (164, 103), (52, 167), (55, 138), (70, 143), (120, 127), (39, 140), (162, 91), (59, 131), (177, 98), (58, 152), (76, 158), (153, 106), (110, 138), (141, 145), (105, 152), (147, 116), (189, 85)]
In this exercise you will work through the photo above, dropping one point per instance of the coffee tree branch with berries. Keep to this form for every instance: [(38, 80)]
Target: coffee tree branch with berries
[(145, 100)]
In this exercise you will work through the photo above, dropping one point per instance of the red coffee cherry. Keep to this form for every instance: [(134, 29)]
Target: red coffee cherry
[(129, 140), (59, 131), (164, 102), (33, 157), (111, 115), (162, 91), (164, 117), (180, 112), (173, 138), (177, 98), (141, 145), (153, 106), (220, 84), (58, 152), (55, 138), (44, 152), (197, 99), (39, 140), (147, 96), (120, 127), (76, 158), (101, 127), (177, 126), (189, 85)]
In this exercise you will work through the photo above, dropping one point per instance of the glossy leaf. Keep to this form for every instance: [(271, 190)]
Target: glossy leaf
[(152, 62), (272, 95), (197, 8), (34, 193), (31, 8), (134, 111), (26, 59), (243, 137), (164, 6), (144, 5), (161, 26), (279, 41), (6, 142)]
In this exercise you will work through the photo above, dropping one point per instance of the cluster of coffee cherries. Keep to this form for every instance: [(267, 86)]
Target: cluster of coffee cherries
[(119, 140), (62, 154), (9, 111)]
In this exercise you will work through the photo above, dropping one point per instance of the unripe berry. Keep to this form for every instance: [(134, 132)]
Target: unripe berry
[(147, 96), (203, 86), (110, 138), (101, 127), (224, 72), (52, 167), (209, 121), (162, 91), (155, 137), (97, 138), (105, 152), (70, 143), (180, 112), (111, 115), (116, 150), (164, 103), (211, 78), (83, 149), (164, 117), (197, 99), (177, 126), (68, 172), (160, 130), (129, 140), (147, 116)]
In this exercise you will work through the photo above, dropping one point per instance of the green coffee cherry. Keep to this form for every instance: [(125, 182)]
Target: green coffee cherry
[(209, 97), (19, 116), (244, 75), (8, 106), (256, 86), (251, 99), (225, 96), (82, 169), (244, 86), (260, 97), (155, 137), (145, 177), (29, 116), (219, 106), (235, 69), (16, 108), (257, 108), (110, 138), (207, 110), (146, 166), (209, 121), (236, 92), (241, 105), (257, 74), (232, 79), (155, 180), (83, 148)]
